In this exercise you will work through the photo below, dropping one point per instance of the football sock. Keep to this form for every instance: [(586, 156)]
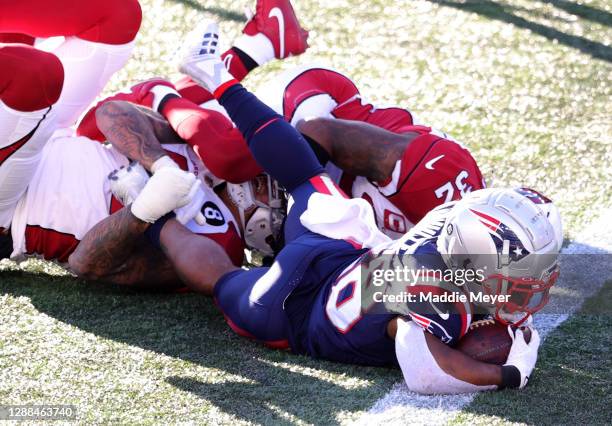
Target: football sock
[(258, 47), (270, 138), (238, 63)]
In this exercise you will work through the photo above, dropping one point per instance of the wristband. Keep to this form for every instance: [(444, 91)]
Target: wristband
[(153, 232), (165, 100), (511, 377), (160, 93)]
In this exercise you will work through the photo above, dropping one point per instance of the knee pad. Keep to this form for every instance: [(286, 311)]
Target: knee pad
[(119, 22), (32, 79)]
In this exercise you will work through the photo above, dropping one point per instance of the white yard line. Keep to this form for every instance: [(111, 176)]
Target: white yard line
[(401, 406)]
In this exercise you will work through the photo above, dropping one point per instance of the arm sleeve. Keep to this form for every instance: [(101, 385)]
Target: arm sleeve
[(421, 371)]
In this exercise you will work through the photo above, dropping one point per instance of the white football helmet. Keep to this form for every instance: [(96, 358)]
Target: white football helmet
[(505, 234), (262, 230)]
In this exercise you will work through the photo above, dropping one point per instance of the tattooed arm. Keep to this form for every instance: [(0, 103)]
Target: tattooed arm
[(115, 250), (195, 260), (135, 131), (200, 262), (358, 148)]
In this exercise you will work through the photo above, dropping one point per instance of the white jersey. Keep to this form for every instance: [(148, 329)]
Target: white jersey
[(70, 193), (87, 68)]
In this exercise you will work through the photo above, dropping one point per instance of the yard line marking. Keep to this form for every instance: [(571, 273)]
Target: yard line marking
[(400, 406)]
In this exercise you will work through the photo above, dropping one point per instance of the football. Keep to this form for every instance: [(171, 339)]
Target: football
[(488, 341)]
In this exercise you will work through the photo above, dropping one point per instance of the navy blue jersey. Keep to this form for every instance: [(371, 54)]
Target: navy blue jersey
[(339, 328), (310, 299), (311, 296)]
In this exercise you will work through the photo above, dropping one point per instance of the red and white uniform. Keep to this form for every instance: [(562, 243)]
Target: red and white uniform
[(45, 86), (69, 194), (433, 170)]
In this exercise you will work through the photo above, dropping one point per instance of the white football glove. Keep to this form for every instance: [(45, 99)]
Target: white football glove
[(193, 209), (127, 182), (163, 162), (523, 355), (169, 189)]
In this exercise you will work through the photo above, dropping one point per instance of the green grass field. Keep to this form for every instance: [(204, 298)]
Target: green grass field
[(526, 85)]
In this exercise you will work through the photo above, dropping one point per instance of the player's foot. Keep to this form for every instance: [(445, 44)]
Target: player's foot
[(200, 57), (277, 20)]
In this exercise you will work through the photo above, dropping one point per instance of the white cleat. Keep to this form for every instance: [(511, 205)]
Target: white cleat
[(200, 57)]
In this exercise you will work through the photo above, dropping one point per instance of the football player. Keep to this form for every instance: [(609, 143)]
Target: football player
[(70, 193), (403, 169), (42, 91), (383, 155), (310, 298)]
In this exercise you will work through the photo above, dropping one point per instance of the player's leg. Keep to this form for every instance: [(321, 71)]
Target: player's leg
[(92, 55), (309, 91), (267, 134), (208, 131), (214, 139), (261, 41), (110, 22), (31, 82), (253, 301), (99, 40), (315, 91)]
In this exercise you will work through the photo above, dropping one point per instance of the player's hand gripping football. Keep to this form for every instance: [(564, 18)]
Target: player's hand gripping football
[(523, 355)]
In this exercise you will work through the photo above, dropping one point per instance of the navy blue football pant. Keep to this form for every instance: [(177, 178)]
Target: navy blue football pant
[(253, 301)]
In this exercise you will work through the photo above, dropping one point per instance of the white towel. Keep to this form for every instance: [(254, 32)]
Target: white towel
[(343, 219)]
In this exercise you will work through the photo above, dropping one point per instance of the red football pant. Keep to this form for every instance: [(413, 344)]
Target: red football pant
[(40, 92), (106, 21), (214, 139)]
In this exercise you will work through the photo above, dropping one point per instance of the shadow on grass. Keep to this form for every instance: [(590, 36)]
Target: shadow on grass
[(220, 12), (494, 10), (573, 379), (587, 12), (189, 327)]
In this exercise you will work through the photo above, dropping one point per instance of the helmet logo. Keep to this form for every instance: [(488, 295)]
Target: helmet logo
[(488, 221), (505, 240)]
